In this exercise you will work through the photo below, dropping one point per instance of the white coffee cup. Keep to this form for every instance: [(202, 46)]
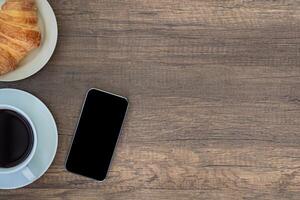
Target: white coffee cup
[(23, 167)]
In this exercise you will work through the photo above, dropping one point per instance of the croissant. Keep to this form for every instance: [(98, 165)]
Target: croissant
[(19, 32)]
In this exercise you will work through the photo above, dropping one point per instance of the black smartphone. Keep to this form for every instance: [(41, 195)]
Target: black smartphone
[(97, 134)]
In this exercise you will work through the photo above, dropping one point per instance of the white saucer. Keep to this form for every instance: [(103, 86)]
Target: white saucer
[(46, 133), (39, 57)]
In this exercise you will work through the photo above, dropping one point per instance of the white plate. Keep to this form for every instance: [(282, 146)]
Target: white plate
[(39, 57), (46, 133)]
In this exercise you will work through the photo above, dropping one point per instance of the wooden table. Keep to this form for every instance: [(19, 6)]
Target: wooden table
[(214, 90)]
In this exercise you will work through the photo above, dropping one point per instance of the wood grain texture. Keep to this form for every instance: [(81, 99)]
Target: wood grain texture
[(214, 90)]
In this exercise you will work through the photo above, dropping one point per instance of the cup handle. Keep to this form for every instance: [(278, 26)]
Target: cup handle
[(27, 173)]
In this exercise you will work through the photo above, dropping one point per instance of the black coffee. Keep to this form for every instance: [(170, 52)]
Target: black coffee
[(16, 138)]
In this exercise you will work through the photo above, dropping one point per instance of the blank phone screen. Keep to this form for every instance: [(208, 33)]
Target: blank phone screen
[(97, 134)]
